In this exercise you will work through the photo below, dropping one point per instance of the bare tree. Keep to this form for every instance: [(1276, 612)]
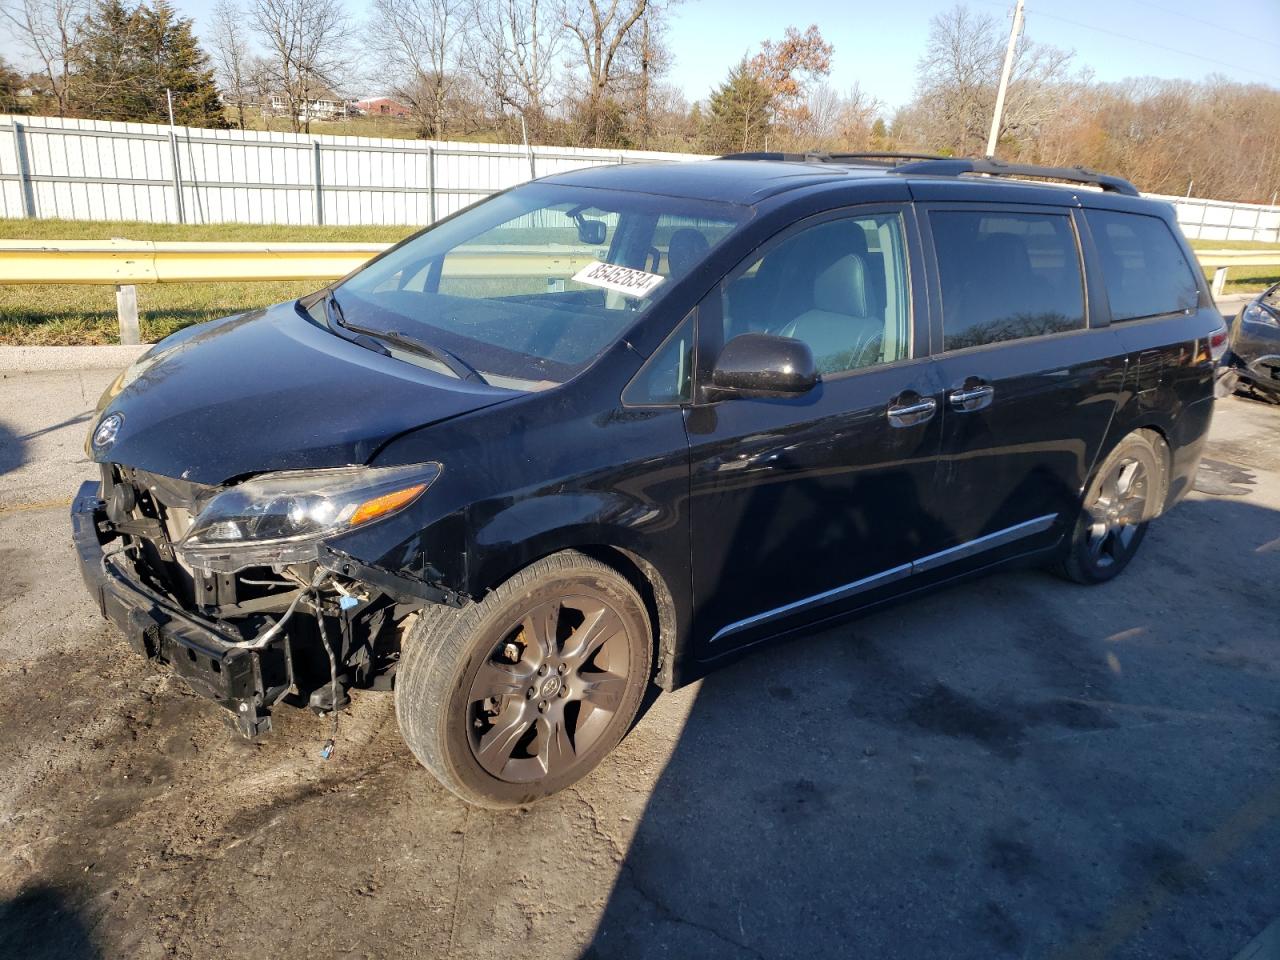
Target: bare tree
[(600, 27), (305, 40), (416, 41), (839, 121), (958, 74), (512, 48), (50, 31), (239, 73)]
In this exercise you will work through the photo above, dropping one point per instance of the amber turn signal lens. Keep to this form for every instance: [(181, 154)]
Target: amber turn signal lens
[(387, 503)]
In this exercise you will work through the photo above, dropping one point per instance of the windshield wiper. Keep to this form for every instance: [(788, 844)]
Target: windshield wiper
[(460, 368)]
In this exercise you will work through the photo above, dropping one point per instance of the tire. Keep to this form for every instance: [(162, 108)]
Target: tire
[(508, 700), (1126, 493)]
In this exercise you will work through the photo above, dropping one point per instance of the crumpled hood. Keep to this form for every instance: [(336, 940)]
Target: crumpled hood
[(269, 390)]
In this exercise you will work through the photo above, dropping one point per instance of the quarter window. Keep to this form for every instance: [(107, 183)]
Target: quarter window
[(667, 376), (1006, 276), (840, 286), (1142, 265)]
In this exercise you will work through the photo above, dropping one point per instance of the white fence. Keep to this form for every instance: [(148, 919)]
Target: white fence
[(98, 170), (1222, 220)]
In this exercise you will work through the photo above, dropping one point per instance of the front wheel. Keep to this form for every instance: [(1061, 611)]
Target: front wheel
[(1126, 493), (513, 698)]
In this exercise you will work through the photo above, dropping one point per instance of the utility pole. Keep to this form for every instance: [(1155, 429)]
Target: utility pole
[(1004, 79)]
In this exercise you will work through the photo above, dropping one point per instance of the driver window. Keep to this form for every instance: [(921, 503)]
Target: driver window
[(840, 286)]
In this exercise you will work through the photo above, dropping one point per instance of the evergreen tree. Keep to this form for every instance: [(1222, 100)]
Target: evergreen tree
[(739, 113), (131, 55)]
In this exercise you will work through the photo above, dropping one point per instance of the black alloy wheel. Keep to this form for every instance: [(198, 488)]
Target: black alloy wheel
[(514, 697), (1127, 492), (549, 688)]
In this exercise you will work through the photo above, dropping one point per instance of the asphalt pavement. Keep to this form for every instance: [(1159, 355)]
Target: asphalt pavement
[(1018, 767)]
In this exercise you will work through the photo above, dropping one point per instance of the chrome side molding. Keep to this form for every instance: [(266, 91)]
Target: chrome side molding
[(931, 562)]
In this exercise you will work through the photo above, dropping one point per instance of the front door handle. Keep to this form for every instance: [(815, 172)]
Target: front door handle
[(974, 395), (907, 411)]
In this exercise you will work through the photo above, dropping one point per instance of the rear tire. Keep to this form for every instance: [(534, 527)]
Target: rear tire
[(1126, 493), (511, 699)]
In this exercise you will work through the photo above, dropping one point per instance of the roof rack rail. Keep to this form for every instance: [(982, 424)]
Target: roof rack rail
[(933, 165), (818, 156), (954, 167)]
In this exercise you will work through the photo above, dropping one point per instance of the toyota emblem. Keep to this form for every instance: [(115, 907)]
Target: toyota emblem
[(107, 431)]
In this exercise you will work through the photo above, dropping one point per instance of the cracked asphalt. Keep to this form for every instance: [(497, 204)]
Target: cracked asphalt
[(1019, 767)]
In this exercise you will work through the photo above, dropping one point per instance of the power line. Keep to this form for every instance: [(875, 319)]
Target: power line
[(1207, 23), (1152, 43)]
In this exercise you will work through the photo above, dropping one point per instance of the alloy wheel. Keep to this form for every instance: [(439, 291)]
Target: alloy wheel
[(548, 689), (1117, 512)]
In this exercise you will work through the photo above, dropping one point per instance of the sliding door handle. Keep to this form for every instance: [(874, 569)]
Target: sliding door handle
[(971, 397), (908, 411)]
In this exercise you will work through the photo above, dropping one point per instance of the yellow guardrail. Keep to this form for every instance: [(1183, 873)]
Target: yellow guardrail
[(1222, 260), (146, 261), (126, 263)]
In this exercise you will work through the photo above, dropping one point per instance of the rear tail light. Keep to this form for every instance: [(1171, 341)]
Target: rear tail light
[(1218, 344)]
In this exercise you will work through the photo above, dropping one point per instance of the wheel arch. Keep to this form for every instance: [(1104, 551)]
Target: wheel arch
[(629, 563)]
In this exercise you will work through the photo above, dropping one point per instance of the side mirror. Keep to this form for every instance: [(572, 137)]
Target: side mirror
[(591, 232), (762, 365)]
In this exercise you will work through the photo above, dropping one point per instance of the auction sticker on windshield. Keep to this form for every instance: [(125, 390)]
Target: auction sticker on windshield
[(634, 283)]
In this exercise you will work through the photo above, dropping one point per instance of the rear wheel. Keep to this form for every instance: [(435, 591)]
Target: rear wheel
[(1126, 493), (510, 699)]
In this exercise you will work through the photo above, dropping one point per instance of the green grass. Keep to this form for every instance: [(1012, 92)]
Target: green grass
[(80, 314), (1243, 279), (67, 315), (252, 232)]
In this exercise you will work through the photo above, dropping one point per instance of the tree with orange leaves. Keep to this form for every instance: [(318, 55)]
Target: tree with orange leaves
[(788, 67)]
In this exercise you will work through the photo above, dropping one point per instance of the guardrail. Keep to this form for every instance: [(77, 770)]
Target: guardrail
[(126, 263), (1223, 260)]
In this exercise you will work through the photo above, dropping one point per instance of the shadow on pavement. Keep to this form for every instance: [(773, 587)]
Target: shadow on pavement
[(1017, 767), (39, 925), (13, 453)]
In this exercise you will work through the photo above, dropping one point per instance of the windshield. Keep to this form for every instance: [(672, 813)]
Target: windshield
[(530, 286)]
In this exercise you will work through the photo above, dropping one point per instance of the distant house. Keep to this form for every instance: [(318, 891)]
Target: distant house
[(327, 106), (384, 107)]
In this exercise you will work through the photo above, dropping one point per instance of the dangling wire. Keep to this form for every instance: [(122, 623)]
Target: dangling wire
[(327, 750)]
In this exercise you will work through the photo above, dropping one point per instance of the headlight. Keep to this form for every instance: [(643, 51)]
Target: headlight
[(1257, 313), (283, 517)]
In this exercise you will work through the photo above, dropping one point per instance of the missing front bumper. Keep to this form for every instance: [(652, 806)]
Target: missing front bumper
[(247, 682)]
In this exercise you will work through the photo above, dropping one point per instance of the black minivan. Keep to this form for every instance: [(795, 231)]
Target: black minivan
[(616, 426)]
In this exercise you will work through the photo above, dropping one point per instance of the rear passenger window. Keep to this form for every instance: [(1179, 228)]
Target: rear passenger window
[(1142, 265), (840, 286), (1006, 276)]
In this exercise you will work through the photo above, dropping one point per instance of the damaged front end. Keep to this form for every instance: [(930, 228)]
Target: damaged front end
[(237, 588)]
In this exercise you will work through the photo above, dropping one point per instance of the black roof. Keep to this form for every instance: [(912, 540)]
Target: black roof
[(751, 178), (728, 181)]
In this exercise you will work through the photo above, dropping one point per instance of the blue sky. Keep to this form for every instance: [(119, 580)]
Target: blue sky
[(878, 44)]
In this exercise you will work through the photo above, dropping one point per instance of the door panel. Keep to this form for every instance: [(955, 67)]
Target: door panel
[(799, 498), (805, 505), (1031, 387), (1027, 453)]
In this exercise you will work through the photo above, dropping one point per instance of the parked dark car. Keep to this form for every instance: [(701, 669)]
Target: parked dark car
[(619, 425), (1254, 352)]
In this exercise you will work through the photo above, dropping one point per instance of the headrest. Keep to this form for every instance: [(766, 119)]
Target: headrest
[(687, 247), (842, 287)]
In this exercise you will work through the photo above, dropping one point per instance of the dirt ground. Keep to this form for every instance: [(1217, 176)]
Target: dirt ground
[(1019, 767)]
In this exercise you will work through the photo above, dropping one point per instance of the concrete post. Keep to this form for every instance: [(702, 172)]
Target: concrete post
[(1219, 282), (127, 312)]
